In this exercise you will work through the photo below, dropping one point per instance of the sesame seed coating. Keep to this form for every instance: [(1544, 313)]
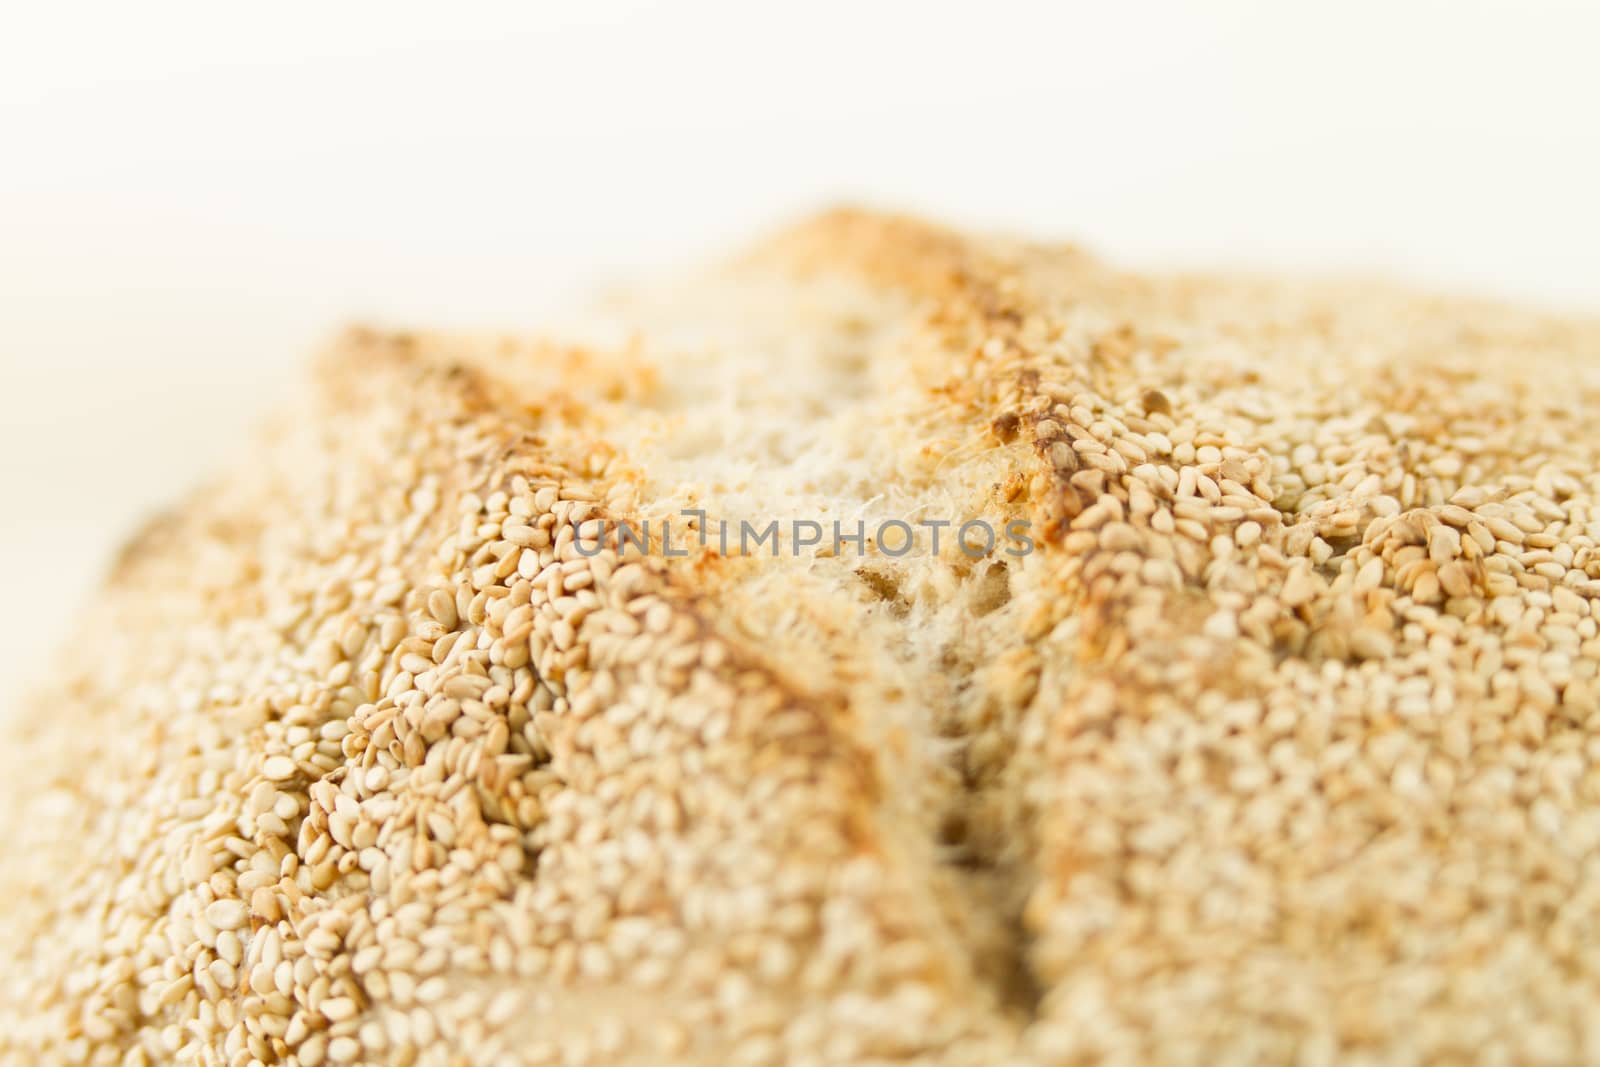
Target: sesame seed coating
[(1280, 747)]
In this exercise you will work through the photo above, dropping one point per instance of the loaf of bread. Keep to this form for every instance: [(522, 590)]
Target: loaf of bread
[(889, 647)]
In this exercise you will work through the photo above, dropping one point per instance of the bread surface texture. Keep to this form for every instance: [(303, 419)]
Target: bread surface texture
[(1278, 744)]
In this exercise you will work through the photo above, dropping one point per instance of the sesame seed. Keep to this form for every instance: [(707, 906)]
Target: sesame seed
[(278, 768), (227, 914), (338, 1009)]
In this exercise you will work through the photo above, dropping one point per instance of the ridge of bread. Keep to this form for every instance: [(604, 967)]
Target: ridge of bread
[(1280, 746)]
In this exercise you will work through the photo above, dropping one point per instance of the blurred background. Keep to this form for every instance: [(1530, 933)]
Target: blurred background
[(192, 196)]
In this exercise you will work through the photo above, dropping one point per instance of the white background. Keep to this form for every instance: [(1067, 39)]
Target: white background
[(191, 196)]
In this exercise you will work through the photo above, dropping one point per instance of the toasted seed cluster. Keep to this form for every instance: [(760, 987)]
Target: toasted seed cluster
[(1282, 746)]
